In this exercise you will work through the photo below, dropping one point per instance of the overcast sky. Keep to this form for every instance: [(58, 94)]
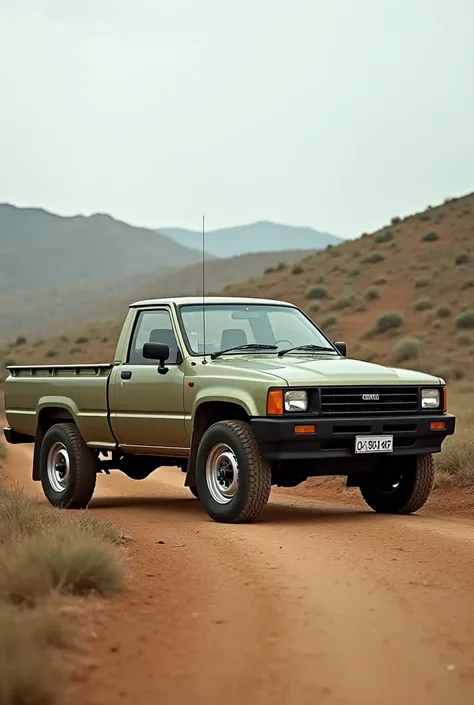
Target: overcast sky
[(337, 114)]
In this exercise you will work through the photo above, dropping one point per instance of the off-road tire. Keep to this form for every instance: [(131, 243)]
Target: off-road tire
[(416, 483), (83, 467), (194, 490), (255, 476)]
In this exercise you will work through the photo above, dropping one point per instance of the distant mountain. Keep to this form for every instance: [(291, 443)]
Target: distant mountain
[(263, 236), (41, 249)]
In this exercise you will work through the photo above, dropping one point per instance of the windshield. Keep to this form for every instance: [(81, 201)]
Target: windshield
[(231, 325)]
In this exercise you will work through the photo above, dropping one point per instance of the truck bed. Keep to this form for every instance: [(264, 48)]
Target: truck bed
[(33, 387)]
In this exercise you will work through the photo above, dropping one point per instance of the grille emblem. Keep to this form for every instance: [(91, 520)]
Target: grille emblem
[(371, 397)]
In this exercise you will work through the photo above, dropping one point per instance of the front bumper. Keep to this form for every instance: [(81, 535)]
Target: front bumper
[(335, 437)]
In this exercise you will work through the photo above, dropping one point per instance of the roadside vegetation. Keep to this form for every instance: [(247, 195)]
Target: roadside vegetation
[(455, 464), (46, 557)]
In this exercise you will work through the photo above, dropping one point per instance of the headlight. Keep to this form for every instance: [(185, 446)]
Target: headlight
[(430, 398), (296, 400)]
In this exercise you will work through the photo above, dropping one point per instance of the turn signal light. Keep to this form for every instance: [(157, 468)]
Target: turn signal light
[(438, 425), (305, 429), (275, 402)]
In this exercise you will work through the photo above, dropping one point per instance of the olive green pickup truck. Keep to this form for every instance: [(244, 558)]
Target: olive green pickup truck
[(241, 394)]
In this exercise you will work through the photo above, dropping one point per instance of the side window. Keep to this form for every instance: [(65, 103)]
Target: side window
[(152, 327)]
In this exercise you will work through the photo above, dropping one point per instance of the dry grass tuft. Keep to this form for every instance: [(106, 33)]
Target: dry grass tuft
[(46, 553)]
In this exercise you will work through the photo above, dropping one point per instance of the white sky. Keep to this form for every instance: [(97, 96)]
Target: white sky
[(337, 114)]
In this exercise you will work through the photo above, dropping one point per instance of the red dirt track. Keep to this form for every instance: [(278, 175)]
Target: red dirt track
[(315, 603)]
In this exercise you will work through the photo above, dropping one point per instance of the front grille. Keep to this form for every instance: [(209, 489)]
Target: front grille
[(349, 401)]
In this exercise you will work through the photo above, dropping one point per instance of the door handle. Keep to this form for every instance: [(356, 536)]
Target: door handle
[(126, 374)]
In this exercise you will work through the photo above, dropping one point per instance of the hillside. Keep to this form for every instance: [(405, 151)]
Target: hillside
[(183, 282), (419, 269), (41, 249), (263, 236)]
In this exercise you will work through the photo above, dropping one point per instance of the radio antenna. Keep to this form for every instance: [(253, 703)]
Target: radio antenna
[(204, 362)]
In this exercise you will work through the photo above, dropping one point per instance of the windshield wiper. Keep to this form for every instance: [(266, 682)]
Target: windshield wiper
[(249, 346), (309, 348)]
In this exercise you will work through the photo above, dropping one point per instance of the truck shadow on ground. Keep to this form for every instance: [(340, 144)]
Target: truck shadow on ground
[(274, 513)]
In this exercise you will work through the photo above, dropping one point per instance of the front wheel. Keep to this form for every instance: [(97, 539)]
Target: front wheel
[(68, 468), (400, 491), (233, 478)]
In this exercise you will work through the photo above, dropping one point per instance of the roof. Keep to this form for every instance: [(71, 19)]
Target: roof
[(190, 300)]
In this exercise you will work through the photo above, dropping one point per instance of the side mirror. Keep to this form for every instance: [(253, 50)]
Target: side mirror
[(342, 348), (157, 351)]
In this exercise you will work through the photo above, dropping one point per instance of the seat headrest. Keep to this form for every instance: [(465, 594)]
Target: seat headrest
[(232, 337)]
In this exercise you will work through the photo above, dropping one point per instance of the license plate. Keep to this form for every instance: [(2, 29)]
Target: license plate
[(374, 444)]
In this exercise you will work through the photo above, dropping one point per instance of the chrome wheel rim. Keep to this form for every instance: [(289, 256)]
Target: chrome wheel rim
[(58, 466), (222, 473)]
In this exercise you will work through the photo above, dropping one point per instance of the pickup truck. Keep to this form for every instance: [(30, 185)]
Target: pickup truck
[(241, 394)]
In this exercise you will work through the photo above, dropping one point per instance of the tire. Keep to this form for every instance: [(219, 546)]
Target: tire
[(194, 491), (415, 483), (229, 450), (72, 486)]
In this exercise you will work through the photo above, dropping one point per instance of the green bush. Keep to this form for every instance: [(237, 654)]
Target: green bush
[(422, 283), (384, 236), (396, 220), (82, 339), (407, 349), (462, 258), (330, 322), (269, 270), (75, 349), (371, 294), (443, 311), (422, 305), (51, 353), (297, 269), (430, 237), (317, 292), (281, 266), (389, 322), (373, 257), (464, 340), (21, 340), (379, 281), (354, 273), (468, 284), (343, 302), (465, 320)]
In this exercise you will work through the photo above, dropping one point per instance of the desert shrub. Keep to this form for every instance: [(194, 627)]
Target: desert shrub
[(75, 349), (464, 340), (468, 284), (371, 294), (450, 373), (330, 322), (422, 283), (443, 311), (297, 269), (425, 216), (281, 266), (384, 236), (407, 349), (373, 257), (314, 308), (378, 281), (269, 270), (354, 272), (317, 292), (396, 220), (9, 361), (456, 463), (462, 258), (64, 339), (422, 305), (51, 353), (430, 236), (21, 340), (465, 320), (388, 322), (343, 302), (82, 339)]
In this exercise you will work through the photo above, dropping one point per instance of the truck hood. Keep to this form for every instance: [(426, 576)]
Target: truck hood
[(308, 371)]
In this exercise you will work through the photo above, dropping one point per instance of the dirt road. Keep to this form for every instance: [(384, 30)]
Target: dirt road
[(313, 604)]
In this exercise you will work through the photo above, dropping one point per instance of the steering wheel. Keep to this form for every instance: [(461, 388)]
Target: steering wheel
[(284, 340)]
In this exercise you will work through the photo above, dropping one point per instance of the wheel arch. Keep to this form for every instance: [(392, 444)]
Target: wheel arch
[(48, 415), (206, 414)]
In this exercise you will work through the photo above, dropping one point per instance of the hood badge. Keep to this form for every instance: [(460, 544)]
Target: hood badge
[(371, 397)]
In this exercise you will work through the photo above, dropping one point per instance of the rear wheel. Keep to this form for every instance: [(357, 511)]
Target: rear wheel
[(400, 491), (233, 478), (68, 468)]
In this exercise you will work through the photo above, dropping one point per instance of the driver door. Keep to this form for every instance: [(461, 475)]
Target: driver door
[(147, 408)]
